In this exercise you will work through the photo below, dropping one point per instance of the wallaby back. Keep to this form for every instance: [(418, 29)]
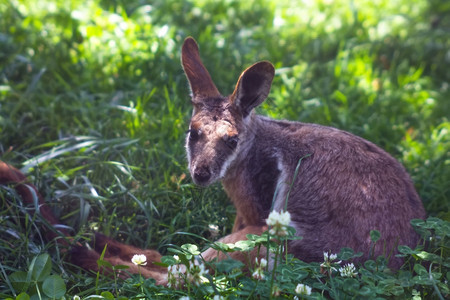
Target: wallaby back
[(344, 187)]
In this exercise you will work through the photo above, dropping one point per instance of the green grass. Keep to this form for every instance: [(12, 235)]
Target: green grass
[(94, 105)]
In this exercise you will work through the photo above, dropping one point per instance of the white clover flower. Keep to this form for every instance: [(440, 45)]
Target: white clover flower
[(263, 263), (177, 269), (348, 270), (303, 289), (213, 230), (76, 297), (258, 274), (139, 260), (196, 273), (279, 218), (278, 221), (198, 266), (175, 274), (329, 257), (329, 260), (285, 218), (259, 270)]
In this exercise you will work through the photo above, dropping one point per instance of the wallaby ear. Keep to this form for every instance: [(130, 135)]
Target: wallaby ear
[(199, 79), (253, 87)]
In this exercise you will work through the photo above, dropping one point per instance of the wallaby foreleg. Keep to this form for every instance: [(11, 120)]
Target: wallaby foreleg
[(88, 260)]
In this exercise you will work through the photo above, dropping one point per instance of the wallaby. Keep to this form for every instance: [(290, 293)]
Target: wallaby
[(343, 188), (336, 186)]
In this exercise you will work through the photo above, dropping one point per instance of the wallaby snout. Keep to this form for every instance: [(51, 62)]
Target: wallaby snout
[(336, 186), (201, 175)]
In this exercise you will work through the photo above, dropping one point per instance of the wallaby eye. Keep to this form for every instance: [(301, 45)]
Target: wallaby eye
[(193, 134), (231, 141)]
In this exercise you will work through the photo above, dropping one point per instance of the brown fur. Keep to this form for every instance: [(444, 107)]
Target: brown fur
[(345, 186), (119, 254)]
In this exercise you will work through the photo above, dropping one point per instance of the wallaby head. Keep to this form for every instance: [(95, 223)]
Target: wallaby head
[(219, 125)]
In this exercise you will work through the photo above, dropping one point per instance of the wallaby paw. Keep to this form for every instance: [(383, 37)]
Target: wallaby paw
[(121, 253)]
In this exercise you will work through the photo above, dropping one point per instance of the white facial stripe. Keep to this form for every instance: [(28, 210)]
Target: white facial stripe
[(222, 131), (188, 152), (228, 162)]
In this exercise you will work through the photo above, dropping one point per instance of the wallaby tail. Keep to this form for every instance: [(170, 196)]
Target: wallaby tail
[(116, 253), (30, 195)]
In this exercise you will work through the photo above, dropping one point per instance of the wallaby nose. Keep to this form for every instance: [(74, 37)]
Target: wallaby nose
[(202, 175)]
